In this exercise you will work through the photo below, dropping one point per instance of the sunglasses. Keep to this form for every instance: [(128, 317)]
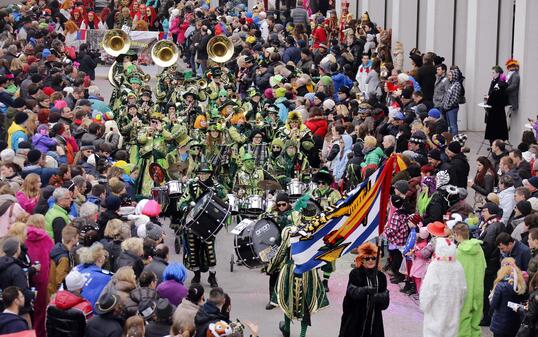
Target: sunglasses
[(196, 147), (369, 258), (281, 204), (276, 147)]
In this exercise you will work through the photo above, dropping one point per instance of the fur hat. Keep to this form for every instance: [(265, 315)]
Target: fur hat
[(294, 116), (366, 249)]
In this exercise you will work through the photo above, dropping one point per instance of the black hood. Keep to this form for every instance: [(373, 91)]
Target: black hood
[(6, 262), (209, 312)]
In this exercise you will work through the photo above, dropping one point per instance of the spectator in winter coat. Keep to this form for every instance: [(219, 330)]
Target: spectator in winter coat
[(159, 262), (533, 245), (510, 247), (292, 52), (41, 140), (109, 319), (490, 228), (91, 260), (160, 325), (183, 319), (426, 77), (61, 260), (132, 251), (57, 216), (17, 132), (29, 194), (68, 311), (10, 321), (509, 286), (441, 85), (11, 269), (506, 197), (451, 99), (458, 169), (147, 282), (210, 312), (172, 286), (372, 153)]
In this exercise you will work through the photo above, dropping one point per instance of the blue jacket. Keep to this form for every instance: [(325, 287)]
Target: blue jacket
[(520, 253), (340, 80), (96, 280), (292, 53), (43, 172), (10, 323), (504, 321)]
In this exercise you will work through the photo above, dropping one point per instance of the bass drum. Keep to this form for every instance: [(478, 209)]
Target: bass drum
[(207, 216), (257, 243)]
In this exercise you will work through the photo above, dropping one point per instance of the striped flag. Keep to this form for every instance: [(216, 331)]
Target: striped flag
[(358, 218)]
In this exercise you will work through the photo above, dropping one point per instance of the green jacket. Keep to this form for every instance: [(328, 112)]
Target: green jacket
[(53, 213), (373, 157), (471, 257)]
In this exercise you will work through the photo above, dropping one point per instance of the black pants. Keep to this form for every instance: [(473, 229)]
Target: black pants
[(273, 278), (489, 278), (395, 261)]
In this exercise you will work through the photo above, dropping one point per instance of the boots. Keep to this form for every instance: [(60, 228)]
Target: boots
[(406, 287), (270, 306), (325, 285), (196, 278), (282, 328), (212, 279)]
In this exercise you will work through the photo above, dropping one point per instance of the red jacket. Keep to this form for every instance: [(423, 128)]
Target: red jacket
[(318, 126), (65, 300)]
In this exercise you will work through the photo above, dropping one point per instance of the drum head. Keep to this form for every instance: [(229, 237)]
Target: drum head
[(195, 212), (265, 233)]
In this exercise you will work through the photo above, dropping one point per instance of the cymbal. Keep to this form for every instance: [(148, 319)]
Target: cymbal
[(269, 185)]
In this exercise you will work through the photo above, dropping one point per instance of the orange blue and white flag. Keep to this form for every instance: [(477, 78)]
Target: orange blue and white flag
[(358, 218)]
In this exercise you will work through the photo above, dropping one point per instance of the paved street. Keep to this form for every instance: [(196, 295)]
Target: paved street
[(249, 288)]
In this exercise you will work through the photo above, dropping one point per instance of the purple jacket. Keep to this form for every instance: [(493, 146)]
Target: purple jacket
[(174, 291), (43, 143)]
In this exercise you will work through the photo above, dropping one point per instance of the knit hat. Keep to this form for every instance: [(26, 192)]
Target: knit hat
[(532, 181), (321, 96), (454, 147), (434, 154), (402, 186), (20, 117), (492, 208), (460, 138), (278, 142), (11, 246), (164, 309), (282, 197), (75, 280), (112, 203), (33, 156), (328, 104), (524, 207), (534, 203), (434, 113), (7, 155), (154, 232)]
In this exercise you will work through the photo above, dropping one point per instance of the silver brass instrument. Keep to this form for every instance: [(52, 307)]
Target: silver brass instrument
[(164, 53)]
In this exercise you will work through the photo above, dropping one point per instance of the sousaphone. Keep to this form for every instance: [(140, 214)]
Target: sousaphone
[(116, 42), (164, 53), (220, 49)]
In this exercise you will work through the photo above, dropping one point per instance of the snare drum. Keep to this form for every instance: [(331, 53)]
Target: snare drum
[(257, 243), (234, 202), (254, 204), (175, 188), (207, 216), (160, 194), (296, 188)]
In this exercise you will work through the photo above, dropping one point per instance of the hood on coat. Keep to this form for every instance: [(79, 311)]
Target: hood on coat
[(456, 75), (58, 251), (207, 313), (6, 262), (66, 300), (144, 293), (36, 234), (470, 247), (348, 142)]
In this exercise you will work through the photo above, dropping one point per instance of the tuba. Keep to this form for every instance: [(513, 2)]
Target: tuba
[(116, 42), (220, 49), (164, 53)]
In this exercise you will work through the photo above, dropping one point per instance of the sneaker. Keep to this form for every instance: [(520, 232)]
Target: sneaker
[(212, 279), (270, 306), (282, 328)]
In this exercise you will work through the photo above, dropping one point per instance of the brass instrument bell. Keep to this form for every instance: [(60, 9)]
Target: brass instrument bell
[(164, 53), (116, 42), (220, 49)]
